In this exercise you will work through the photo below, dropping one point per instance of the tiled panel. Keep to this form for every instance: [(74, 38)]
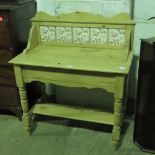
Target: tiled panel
[(77, 35)]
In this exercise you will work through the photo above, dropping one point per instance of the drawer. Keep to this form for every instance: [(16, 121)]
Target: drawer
[(9, 96), (7, 76), (5, 29), (4, 41), (5, 56), (4, 38)]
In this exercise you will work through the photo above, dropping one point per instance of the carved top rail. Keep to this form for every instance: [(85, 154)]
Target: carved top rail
[(82, 29)]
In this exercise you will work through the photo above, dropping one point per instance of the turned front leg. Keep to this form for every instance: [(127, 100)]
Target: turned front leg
[(25, 108), (117, 122), (23, 97), (118, 111)]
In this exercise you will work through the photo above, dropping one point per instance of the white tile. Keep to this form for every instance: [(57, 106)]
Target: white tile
[(81, 35), (116, 36), (47, 33), (98, 36), (64, 34)]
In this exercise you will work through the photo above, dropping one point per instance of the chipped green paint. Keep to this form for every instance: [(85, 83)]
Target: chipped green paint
[(76, 65)]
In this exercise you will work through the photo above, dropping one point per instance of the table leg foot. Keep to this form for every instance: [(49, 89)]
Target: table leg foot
[(26, 122), (116, 137)]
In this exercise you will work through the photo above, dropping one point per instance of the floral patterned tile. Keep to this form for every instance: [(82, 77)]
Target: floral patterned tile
[(98, 36), (47, 33), (116, 36), (81, 35), (64, 34)]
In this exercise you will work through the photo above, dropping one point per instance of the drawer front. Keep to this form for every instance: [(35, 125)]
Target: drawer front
[(9, 96), (5, 56), (4, 29), (7, 76)]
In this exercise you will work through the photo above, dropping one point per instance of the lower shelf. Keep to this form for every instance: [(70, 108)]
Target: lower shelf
[(71, 112)]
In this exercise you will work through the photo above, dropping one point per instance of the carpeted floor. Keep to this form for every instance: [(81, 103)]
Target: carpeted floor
[(62, 137)]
